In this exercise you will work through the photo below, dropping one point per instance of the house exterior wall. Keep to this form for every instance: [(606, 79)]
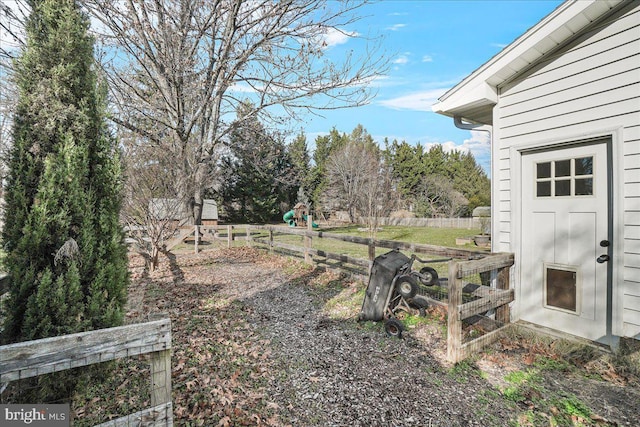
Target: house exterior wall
[(588, 89)]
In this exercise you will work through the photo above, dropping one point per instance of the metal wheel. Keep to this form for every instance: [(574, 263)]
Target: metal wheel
[(393, 328), (407, 286), (430, 276)]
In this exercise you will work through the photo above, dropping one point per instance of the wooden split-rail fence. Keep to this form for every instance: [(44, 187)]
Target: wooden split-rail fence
[(39, 357), (492, 296)]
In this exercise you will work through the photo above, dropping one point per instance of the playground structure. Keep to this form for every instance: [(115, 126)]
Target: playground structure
[(297, 217)]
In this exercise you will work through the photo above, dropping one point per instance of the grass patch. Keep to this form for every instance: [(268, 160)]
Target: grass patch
[(347, 303), (543, 405), (423, 235), (462, 371)]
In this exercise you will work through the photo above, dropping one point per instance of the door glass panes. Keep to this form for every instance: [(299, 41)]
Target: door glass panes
[(563, 188), (584, 186), (544, 188), (544, 170), (561, 289), (565, 178), (584, 166), (563, 168)]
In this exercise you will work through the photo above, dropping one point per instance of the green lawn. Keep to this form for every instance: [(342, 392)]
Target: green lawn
[(423, 235)]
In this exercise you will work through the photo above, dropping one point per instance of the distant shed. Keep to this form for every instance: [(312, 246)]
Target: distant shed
[(172, 209)]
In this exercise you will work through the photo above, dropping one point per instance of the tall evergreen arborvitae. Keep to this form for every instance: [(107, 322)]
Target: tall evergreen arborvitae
[(64, 244)]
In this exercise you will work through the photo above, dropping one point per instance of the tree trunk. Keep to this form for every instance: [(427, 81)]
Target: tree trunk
[(153, 259), (197, 201)]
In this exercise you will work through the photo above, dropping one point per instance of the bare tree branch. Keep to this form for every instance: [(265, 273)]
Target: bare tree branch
[(182, 68)]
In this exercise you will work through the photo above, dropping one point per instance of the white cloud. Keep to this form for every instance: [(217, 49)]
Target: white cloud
[(427, 58), (478, 144), (382, 80), (448, 146), (417, 101), (241, 88), (396, 27), (334, 37), (402, 59)]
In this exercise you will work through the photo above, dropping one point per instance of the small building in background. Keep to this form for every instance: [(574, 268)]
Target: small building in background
[(174, 210)]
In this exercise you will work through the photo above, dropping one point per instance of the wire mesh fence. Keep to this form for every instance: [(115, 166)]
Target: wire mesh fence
[(478, 302)]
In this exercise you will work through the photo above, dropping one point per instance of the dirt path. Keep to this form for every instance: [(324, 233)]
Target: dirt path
[(256, 344)]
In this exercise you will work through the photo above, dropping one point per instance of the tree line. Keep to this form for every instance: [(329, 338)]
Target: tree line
[(262, 176)]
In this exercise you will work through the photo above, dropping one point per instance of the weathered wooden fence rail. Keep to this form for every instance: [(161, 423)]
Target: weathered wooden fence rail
[(465, 222), (226, 232), (484, 299), (33, 358), (492, 296)]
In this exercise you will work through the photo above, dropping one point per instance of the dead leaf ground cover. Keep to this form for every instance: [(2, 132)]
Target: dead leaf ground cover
[(260, 339)]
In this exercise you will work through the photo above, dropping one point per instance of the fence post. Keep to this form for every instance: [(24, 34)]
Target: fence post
[(454, 324), (229, 235), (197, 239), (372, 253), (248, 230), (503, 313), (270, 240), (160, 370), (160, 377), (307, 241)]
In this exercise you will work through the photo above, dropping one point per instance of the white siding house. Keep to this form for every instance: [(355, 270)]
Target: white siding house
[(562, 104)]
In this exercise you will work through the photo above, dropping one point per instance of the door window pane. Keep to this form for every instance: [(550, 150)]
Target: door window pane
[(543, 189), (584, 166), (563, 188), (563, 168), (544, 170), (584, 187)]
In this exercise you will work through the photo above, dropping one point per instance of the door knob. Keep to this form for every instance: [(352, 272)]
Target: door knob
[(603, 258)]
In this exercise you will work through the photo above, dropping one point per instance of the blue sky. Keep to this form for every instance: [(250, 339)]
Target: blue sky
[(433, 45)]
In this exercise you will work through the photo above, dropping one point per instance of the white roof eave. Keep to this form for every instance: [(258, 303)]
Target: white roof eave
[(480, 97), (479, 89)]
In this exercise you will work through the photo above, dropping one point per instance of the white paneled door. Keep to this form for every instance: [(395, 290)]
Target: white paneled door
[(565, 242)]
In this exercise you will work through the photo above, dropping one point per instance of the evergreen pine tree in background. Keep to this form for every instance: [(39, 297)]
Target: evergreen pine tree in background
[(65, 249)]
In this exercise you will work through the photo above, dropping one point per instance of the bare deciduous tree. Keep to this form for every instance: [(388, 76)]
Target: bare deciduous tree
[(360, 182), (349, 171), (440, 198), (152, 211), (178, 69), (379, 197), (12, 18)]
